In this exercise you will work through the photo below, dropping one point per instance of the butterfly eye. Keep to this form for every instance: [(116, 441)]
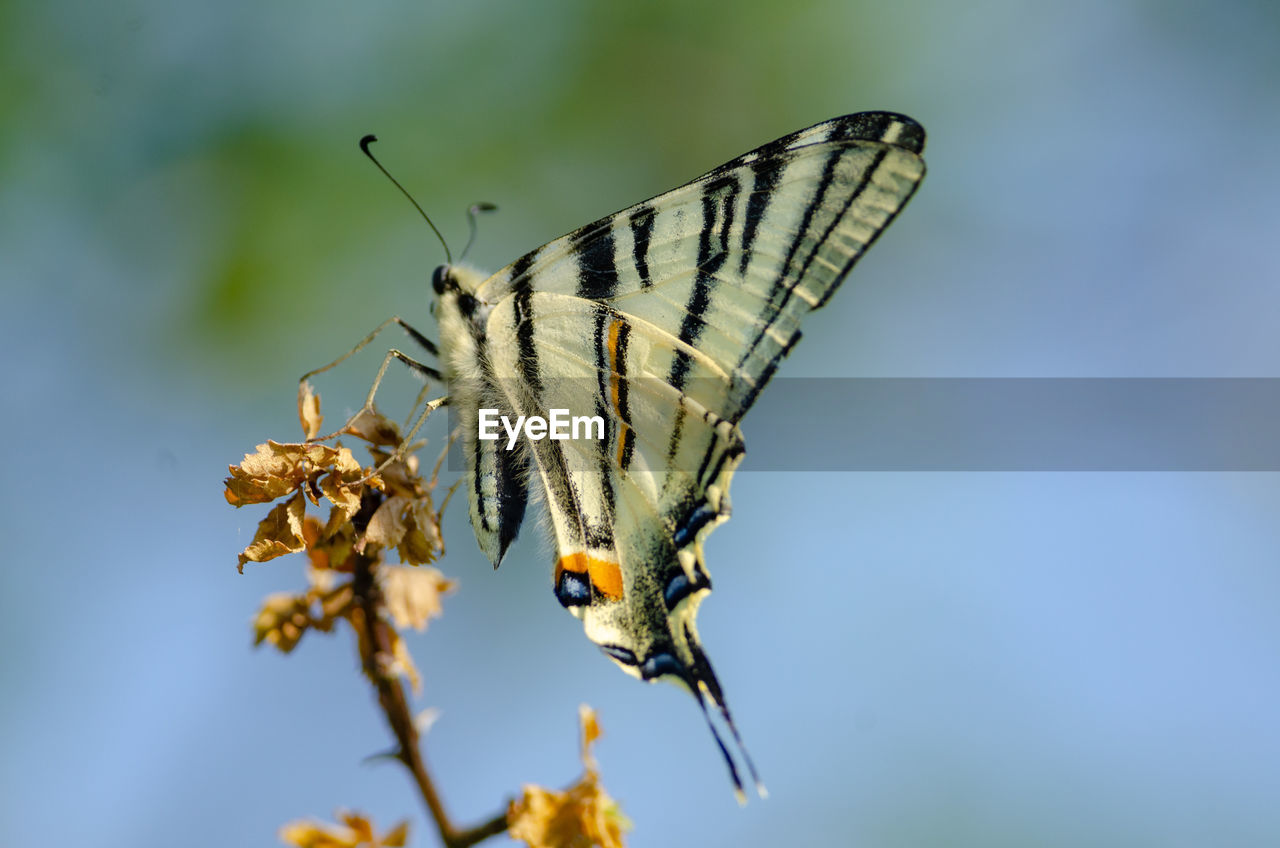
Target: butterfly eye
[(439, 278)]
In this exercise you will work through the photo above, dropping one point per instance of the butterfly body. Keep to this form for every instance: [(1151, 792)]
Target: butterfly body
[(665, 320)]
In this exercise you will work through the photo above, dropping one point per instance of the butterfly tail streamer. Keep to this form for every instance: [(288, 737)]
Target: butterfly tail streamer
[(734, 776), (723, 708), (707, 687)]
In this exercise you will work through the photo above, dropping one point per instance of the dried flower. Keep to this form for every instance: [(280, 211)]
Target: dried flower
[(355, 831), (580, 817)]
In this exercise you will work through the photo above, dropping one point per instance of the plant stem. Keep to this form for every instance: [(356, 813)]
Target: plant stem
[(375, 652)]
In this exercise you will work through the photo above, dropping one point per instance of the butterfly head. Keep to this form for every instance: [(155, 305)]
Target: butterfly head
[(456, 303), (457, 283)]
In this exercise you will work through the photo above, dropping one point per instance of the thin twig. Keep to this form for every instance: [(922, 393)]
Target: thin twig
[(375, 643)]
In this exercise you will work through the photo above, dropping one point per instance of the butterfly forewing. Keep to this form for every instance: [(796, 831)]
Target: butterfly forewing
[(731, 262)]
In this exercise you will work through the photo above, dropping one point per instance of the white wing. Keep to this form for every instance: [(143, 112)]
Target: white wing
[(666, 320)]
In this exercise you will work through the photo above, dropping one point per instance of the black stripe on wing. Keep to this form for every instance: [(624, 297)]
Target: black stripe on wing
[(525, 340), (503, 513), (622, 389), (764, 180), (719, 199), (603, 317), (512, 474), (787, 283), (718, 202), (598, 266), (641, 223)]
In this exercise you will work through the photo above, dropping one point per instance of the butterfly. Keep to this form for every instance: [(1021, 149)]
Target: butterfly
[(664, 321)]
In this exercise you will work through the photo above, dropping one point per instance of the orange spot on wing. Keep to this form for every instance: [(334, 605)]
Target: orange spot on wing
[(607, 577), (604, 575)]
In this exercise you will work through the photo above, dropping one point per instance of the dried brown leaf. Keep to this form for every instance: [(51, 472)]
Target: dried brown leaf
[(355, 831), (401, 477), (413, 594), (409, 524), (249, 485), (275, 469), (397, 836), (422, 542), (333, 549), (312, 532), (335, 603), (583, 816), (580, 817), (359, 825), (343, 493), (373, 427), (337, 518), (335, 458), (278, 534), (386, 527), (309, 411), (590, 733), (282, 620)]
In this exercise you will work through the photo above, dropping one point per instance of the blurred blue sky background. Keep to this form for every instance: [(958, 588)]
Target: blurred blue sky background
[(915, 659)]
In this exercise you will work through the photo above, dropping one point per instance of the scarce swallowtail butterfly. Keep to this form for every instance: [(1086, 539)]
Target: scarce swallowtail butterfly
[(665, 321)]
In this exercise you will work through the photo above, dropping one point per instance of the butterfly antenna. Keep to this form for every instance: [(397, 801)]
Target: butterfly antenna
[(364, 145), (476, 209)]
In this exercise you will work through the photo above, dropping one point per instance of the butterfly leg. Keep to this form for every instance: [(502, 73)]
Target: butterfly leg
[(426, 343), (407, 441), (425, 371)]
